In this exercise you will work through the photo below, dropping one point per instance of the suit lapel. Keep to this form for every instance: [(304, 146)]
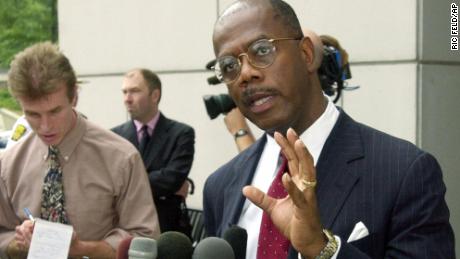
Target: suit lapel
[(336, 173), (131, 134), (234, 198)]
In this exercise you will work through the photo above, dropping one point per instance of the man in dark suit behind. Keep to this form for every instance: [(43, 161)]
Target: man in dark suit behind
[(166, 146), (381, 197)]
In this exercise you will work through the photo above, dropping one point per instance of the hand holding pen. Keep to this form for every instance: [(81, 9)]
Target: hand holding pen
[(29, 214), (23, 232)]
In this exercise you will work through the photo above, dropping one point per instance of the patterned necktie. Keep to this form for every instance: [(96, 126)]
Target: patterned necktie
[(53, 206), (272, 244), (144, 140)]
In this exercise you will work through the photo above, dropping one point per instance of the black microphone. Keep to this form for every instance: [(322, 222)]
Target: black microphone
[(174, 245), (237, 237), (142, 248), (212, 248)]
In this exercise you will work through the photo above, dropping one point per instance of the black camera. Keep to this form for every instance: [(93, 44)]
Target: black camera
[(217, 104)]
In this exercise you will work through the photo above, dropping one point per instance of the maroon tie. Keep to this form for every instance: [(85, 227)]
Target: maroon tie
[(272, 244)]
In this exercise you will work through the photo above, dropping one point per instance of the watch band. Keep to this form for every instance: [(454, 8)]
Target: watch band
[(330, 248), (240, 133)]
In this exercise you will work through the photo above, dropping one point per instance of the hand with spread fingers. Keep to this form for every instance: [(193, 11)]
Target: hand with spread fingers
[(296, 215)]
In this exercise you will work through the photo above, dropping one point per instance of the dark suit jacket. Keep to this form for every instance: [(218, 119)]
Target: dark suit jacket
[(168, 160), (365, 175)]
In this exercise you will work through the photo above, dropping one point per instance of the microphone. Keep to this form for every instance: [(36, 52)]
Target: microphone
[(213, 247), (237, 237), (143, 248), (174, 245)]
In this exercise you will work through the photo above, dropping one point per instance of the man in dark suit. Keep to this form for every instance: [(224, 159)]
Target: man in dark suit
[(166, 146), (350, 191)]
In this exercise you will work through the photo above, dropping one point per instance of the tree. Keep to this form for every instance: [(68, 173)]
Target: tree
[(6, 101), (23, 23)]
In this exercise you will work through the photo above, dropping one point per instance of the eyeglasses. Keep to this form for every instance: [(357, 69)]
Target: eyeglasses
[(260, 54)]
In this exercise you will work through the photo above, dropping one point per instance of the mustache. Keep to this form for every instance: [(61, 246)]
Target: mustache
[(249, 92)]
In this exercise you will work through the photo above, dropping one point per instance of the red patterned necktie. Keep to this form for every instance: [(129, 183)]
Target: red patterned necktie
[(272, 244)]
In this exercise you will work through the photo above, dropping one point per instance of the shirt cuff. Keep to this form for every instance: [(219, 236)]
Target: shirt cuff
[(339, 244)]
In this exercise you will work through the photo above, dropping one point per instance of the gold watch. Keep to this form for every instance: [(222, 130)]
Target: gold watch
[(330, 248)]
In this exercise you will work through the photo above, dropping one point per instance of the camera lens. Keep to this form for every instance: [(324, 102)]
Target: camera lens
[(217, 104)]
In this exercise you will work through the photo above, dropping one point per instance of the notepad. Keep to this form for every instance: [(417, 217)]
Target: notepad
[(50, 240)]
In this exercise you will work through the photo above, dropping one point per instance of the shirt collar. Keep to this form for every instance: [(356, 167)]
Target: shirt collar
[(315, 136), (70, 140), (151, 124)]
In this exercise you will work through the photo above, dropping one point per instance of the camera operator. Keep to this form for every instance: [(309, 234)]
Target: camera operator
[(239, 129)]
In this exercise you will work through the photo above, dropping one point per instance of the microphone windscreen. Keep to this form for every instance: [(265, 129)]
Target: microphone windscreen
[(212, 248), (174, 245), (237, 237), (123, 247), (143, 248)]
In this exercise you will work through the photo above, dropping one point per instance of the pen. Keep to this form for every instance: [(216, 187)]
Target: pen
[(29, 214)]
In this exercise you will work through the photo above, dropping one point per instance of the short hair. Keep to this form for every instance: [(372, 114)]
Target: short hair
[(150, 77), (39, 70), (282, 10), (287, 15)]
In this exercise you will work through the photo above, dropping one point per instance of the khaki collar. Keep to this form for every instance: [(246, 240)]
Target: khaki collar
[(69, 142)]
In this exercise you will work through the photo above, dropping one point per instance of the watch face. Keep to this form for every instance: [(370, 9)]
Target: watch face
[(240, 133)]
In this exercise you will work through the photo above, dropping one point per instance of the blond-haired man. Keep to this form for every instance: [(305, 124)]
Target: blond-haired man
[(68, 170)]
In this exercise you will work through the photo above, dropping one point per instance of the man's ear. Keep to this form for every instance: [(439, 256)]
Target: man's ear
[(75, 99), (308, 51), (156, 93)]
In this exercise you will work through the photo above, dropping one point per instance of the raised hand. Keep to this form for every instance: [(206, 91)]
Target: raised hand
[(296, 215)]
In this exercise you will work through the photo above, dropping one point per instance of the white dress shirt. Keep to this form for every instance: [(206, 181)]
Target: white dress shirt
[(313, 138)]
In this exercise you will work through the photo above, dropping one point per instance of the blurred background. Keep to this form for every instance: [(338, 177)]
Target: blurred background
[(399, 55)]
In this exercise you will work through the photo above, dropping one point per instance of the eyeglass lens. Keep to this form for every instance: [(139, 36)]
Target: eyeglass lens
[(260, 54)]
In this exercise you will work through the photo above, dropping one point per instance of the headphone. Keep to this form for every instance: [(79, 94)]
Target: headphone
[(332, 73)]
